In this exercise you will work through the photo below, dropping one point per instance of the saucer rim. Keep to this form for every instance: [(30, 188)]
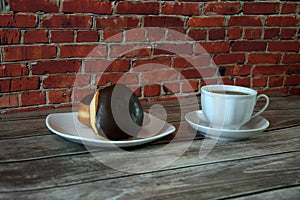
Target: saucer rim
[(229, 130), (226, 134)]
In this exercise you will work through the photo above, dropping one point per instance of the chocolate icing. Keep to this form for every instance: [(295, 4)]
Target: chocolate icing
[(114, 103)]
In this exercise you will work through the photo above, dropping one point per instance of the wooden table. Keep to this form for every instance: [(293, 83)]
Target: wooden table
[(37, 164)]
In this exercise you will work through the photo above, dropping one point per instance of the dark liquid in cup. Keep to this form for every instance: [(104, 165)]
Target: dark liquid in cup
[(228, 92)]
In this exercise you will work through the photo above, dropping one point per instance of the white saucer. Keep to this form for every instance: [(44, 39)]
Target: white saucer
[(197, 120), (67, 126)]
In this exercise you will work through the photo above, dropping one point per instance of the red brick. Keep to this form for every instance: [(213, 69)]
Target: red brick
[(59, 96), (243, 81), (289, 8), (163, 21), (136, 90), (251, 33), (94, 66), (56, 67), (17, 20), (206, 22), (11, 70), (190, 86), (82, 51), (155, 34), (247, 46), (259, 82), (275, 81), (9, 100), (287, 33), (268, 70), (9, 37), (21, 84), (291, 58), (33, 98), (261, 7), (293, 69), (234, 33), (127, 79), (283, 46), (176, 34), (66, 81), (87, 6), (137, 8), (227, 81), (208, 81), (282, 21), (195, 73), (5, 85), (191, 61), (108, 78), (33, 5), (213, 47), (129, 51), (292, 80), (35, 36), (143, 67), (87, 36), (264, 58), (178, 49), (135, 35), (151, 90), (61, 36), (178, 8), (18, 53), (158, 76), (271, 33), (236, 70), (165, 61), (245, 21), (65, 21), (110, 35), (222, 8), (197, 34), (216, 34), (117, 22), (232, 58), (272, 90), (171, 87), (79, 94), (295, 91)]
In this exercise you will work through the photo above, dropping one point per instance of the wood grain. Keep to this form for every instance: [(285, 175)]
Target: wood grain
[(201, 181), (35, 164)]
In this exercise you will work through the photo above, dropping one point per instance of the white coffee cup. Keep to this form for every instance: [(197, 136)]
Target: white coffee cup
[(228, 106)]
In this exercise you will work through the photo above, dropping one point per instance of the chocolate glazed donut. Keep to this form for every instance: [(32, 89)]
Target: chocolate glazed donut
[(120, 114), (113, 113)]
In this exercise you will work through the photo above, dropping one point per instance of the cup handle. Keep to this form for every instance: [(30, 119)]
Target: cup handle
[(265, 106)]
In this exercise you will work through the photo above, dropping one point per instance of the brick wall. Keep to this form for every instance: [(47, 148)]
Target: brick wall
[(54, 52)]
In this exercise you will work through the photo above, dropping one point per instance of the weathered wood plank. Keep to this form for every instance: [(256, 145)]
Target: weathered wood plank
[(284, 193), (22, 128), (193, 182), (69, 169)]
